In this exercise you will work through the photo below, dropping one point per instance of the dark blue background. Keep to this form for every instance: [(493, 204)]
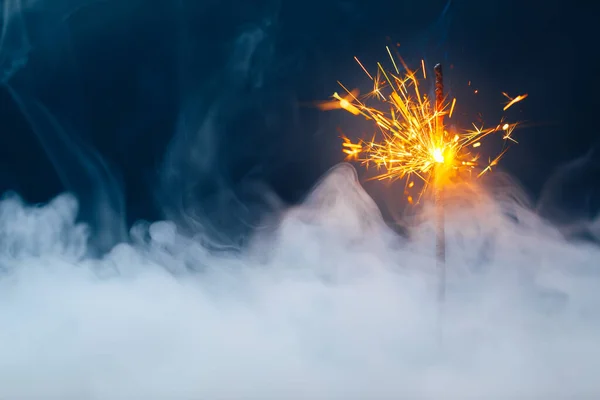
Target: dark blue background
[(194, 110)]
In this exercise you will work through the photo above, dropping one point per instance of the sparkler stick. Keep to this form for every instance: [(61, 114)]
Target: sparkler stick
[(440, 234)]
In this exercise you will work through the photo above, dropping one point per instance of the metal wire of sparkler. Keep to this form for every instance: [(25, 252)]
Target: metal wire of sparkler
[(440, 226)]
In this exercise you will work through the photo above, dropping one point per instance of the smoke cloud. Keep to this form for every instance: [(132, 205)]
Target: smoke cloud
[(331, 304)]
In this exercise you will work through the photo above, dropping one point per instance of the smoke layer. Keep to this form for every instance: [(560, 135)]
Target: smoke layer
[(330, 305)]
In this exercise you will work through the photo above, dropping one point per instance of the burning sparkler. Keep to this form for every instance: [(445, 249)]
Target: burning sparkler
[(414, 140), (440, 231)]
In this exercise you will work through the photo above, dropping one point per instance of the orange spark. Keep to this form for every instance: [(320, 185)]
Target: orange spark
[(512, 102), (452, 107), (364, 69)]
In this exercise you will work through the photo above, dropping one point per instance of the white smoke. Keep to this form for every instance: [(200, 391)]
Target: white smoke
[(332, 305)]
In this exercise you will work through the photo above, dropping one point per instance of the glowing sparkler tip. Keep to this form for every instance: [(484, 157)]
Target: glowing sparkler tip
[(438, 155)]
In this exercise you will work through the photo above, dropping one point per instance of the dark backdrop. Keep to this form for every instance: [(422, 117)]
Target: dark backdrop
[(194, 110)]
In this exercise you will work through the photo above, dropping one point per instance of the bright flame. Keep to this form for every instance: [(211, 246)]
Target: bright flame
[(411, 142), (438, 155)]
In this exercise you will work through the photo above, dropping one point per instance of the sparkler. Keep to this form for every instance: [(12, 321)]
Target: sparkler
[(414, 142), (440, 231)]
